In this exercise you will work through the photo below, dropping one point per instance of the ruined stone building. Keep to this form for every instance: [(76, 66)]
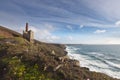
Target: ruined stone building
[(28, 34)]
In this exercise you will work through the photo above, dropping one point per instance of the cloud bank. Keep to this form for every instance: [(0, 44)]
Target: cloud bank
[(54, 20)]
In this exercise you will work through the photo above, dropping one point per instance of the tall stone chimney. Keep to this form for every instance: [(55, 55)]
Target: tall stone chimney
[(28, 34), (26, 27)]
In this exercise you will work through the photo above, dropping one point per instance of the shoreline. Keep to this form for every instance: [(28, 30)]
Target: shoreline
[(73, 57), (49, 61)]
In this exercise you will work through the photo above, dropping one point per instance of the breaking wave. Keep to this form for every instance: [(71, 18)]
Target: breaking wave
[(96, 61)]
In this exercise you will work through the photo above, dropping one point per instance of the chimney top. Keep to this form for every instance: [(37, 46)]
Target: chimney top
[(26, 27)]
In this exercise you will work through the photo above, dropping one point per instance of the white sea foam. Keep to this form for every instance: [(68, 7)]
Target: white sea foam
[(96, 53), (115, 74), (113, 64), (94, 65)]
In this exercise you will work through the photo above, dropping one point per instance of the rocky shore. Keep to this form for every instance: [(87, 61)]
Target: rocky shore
[(51, 61), (22, 60)]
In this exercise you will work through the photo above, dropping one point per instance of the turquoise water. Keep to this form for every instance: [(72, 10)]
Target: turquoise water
[(99, 58)]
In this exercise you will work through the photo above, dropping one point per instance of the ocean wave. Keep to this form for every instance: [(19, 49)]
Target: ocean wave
[(96, 53), (99, 64), (113, 64)]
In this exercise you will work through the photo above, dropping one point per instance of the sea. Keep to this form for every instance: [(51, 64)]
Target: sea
[(98, 58)]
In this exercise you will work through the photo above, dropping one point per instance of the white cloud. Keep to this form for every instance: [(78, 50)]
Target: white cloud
[(52, 38), (69, 27), (117, 23), (109, 8), (35, 30), (100, 31), (55, 37), (81, 26), (63, 13), (70, 38), (112, 41), (107, 40), (45, 33), (49, 27)]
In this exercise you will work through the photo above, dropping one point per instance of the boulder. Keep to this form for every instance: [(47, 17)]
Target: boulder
[(56, 68), (63, 58), (53, 52)]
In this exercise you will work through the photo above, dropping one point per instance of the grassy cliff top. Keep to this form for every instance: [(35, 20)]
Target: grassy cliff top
[(5, 32), (22, 60)]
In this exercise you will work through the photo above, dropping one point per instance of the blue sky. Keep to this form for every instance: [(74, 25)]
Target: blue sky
[(65, 21)]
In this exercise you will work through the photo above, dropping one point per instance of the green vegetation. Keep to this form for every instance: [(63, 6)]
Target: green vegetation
[(22, 60), (22, 71), (1, 37)]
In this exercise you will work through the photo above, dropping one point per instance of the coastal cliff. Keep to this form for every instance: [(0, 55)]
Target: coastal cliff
[(22, 60)]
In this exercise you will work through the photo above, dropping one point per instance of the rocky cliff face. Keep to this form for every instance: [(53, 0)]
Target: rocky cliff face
[(21, 60)]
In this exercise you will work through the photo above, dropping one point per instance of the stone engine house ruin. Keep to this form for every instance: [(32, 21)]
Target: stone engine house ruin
[(28, 34)]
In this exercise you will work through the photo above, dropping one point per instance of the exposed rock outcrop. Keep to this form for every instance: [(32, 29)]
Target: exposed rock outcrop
[(26, 61), (63, 58)]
